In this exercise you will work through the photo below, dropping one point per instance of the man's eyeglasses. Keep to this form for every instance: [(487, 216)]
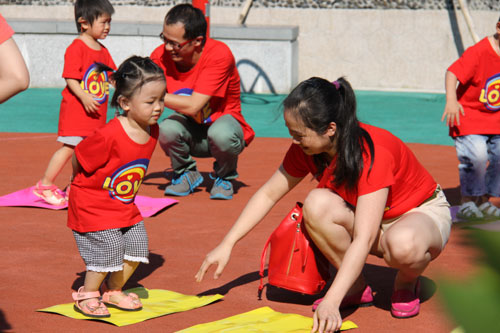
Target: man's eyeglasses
[(176, 46)]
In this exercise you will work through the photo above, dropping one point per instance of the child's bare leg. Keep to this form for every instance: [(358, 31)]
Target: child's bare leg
[(93, 281), (56, 164), (118, 279), (478, 200)]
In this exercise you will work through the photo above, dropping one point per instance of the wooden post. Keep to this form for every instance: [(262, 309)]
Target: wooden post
[(204, 5)]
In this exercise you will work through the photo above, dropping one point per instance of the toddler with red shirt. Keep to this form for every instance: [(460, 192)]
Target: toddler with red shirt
[(109, 167), (472, 113), (85, 99)]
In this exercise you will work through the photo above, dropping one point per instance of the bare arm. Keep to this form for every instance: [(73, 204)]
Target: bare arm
[(89, 103), (256, 209), (14, 75), (452, 109), (188, 105), (369, 212)]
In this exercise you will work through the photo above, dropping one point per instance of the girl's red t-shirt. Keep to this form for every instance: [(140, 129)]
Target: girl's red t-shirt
[(79, 65), (102, 194), (478, 71), (5, 30), (394, 166)]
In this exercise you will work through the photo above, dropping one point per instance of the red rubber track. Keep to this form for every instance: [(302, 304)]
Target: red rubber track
[(41, 265)]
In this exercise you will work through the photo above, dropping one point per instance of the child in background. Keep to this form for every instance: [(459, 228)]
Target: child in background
[(109, 167), (85, 98), (472, 113)]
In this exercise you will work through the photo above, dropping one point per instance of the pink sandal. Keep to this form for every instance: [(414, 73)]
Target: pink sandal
[(55, 198), (362, 299), (93, 308), (131, 302)]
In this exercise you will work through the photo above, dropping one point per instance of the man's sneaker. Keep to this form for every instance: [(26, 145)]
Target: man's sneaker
[(222, 189), (184, 184)]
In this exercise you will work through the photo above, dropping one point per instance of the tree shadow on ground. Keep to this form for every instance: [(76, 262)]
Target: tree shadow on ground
[(4, 324), (453, 195)]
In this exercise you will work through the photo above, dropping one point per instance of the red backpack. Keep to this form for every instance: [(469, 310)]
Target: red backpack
[(294, 261)]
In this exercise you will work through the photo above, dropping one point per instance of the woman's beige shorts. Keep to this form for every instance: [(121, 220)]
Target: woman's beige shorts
[(438, 209)]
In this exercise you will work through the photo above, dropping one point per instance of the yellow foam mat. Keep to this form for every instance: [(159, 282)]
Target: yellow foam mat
[(262, 320), (156, 303)]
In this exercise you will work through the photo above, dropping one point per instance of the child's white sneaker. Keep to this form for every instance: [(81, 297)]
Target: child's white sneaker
[(468, 211), (489, 210)]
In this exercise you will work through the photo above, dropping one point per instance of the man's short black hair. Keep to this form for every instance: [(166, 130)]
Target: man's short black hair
[(90, 10), (193, 19)]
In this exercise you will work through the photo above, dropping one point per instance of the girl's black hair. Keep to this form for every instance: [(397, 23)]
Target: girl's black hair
[(90, 10), (318, 102), (132, 74)]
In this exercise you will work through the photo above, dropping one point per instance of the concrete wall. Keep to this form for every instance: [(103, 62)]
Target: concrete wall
[(266, 57), (375, 49)]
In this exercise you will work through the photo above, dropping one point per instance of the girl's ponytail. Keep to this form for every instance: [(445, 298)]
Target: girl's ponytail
[(100, 67)]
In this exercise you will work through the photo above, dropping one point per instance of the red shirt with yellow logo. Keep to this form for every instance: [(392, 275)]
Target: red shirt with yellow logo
[(102, 194), (394, 166), (79, 65), (5, 30), (215, 74), (478, 71)]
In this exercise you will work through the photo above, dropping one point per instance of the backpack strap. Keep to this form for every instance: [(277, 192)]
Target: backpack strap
[(262, 264)]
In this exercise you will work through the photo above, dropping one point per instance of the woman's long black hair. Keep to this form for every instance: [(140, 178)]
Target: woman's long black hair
[(318, 102)]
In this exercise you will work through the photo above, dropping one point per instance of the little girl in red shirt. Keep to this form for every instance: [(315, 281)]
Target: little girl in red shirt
[(109, 168)]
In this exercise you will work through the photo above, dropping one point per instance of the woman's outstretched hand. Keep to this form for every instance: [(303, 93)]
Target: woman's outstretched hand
[(326, 318), (220, 256)]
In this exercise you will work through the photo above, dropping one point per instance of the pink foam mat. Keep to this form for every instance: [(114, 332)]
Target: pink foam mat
[(25, 198)]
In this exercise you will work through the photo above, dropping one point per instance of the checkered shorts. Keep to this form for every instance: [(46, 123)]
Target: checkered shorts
[(105, 250)]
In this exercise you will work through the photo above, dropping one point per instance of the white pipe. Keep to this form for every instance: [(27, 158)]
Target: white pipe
[(244, 13), (468, 20)]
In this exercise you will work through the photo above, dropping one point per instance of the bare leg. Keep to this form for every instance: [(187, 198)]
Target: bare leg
[(330, 223), (477, 200), (56, 164), (93, 282), (118, 279), (409, 246)]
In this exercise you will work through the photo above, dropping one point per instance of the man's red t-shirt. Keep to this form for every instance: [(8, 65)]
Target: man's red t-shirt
[(215, 74), (102, 194), (79, 65), (478, 71), (394, 166), (5, 30)]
